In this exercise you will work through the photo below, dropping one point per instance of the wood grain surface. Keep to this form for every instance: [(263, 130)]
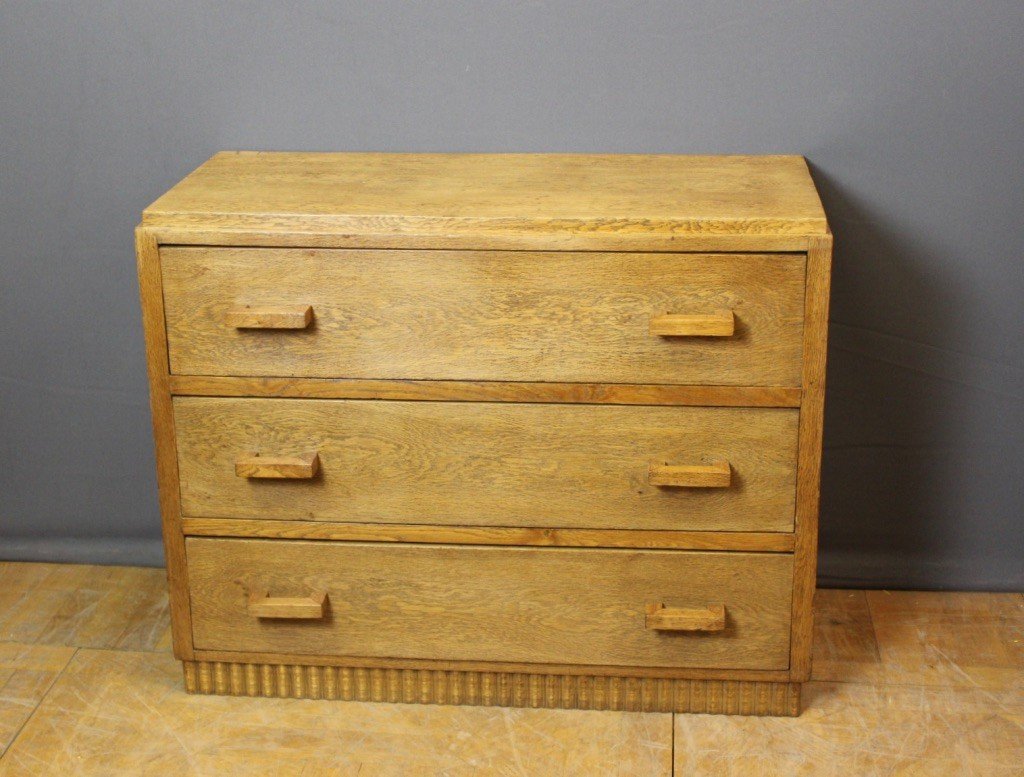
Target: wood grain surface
[(497, 464), (488, 315), (592, 197), (709, 618), (721, 323), (285, 233), (812, 424), (443, 665), (487, 391), (489, 356), (147, 256), (270, 317), (716, 474), (254, 465), (309, 607), (490, 535), (499, 688), (511, 604)]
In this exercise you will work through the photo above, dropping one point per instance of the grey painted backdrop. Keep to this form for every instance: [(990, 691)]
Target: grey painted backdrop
[(911, 114)]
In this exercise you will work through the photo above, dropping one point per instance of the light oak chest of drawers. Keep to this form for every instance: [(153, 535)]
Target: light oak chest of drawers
[(530, 430)]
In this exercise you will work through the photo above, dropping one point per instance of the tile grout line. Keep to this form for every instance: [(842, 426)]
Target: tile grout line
[(672, 750), (874, 631), (85, 647), (39, 703), (881, 684)]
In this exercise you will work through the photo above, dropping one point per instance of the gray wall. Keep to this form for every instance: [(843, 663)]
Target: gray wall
[(911, 114)]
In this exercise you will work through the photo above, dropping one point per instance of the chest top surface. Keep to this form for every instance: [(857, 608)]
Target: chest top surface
[(444, 193)]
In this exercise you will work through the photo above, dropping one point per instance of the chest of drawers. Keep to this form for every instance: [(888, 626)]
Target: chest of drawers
[(528, 430)]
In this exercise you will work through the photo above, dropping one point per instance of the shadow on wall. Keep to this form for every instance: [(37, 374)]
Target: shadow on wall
[(909, 480)]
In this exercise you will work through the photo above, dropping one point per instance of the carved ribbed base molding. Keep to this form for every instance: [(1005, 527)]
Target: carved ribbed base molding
[(503, 689)]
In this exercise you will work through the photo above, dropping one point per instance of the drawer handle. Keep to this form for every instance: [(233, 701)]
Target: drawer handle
[(253, 465), (271, 317), (662, 618), (263, 605), (715, 475), (721, 323)]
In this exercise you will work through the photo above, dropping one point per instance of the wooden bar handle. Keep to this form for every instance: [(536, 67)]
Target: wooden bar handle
[(271, 317), (263, 605), (721, 323), (715, 475), (662, 618), (253, 465)]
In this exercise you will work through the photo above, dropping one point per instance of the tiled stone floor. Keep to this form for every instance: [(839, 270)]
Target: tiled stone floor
[(905, 683)]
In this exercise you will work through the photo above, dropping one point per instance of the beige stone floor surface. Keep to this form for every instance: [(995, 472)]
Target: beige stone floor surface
[(905, 683)]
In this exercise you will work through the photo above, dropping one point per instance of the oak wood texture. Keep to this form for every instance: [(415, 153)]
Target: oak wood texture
[(498, 464), (485, 603), (505, 689), (488, 315), (565, 240), (270, 317), (490, 535), (717, 474), (663, 618), (487, 391), (721, 323), (433, 664), (262, 605), (256, 466), (570, 199), (150, 290), (812, 420), (588, 357)]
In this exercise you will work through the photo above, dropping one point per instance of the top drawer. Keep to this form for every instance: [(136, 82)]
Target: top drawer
[(485, 315)]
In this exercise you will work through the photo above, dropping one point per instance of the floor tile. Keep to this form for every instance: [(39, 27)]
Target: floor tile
[(844, 638), (849, 729), (942, 638), (26, 674), (83, 605), (120, 712)]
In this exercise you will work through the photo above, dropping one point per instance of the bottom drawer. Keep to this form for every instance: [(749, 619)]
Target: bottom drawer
[(472, 603)]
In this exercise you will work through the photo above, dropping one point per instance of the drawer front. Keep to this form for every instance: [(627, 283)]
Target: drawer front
[(485, 315), (539, 605), (488, 464)]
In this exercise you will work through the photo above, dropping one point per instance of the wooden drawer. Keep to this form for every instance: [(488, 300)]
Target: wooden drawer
[(488, 464), (485, 315), (549, 605)]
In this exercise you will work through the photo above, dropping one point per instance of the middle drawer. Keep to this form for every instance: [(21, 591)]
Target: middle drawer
[(488, 464)]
